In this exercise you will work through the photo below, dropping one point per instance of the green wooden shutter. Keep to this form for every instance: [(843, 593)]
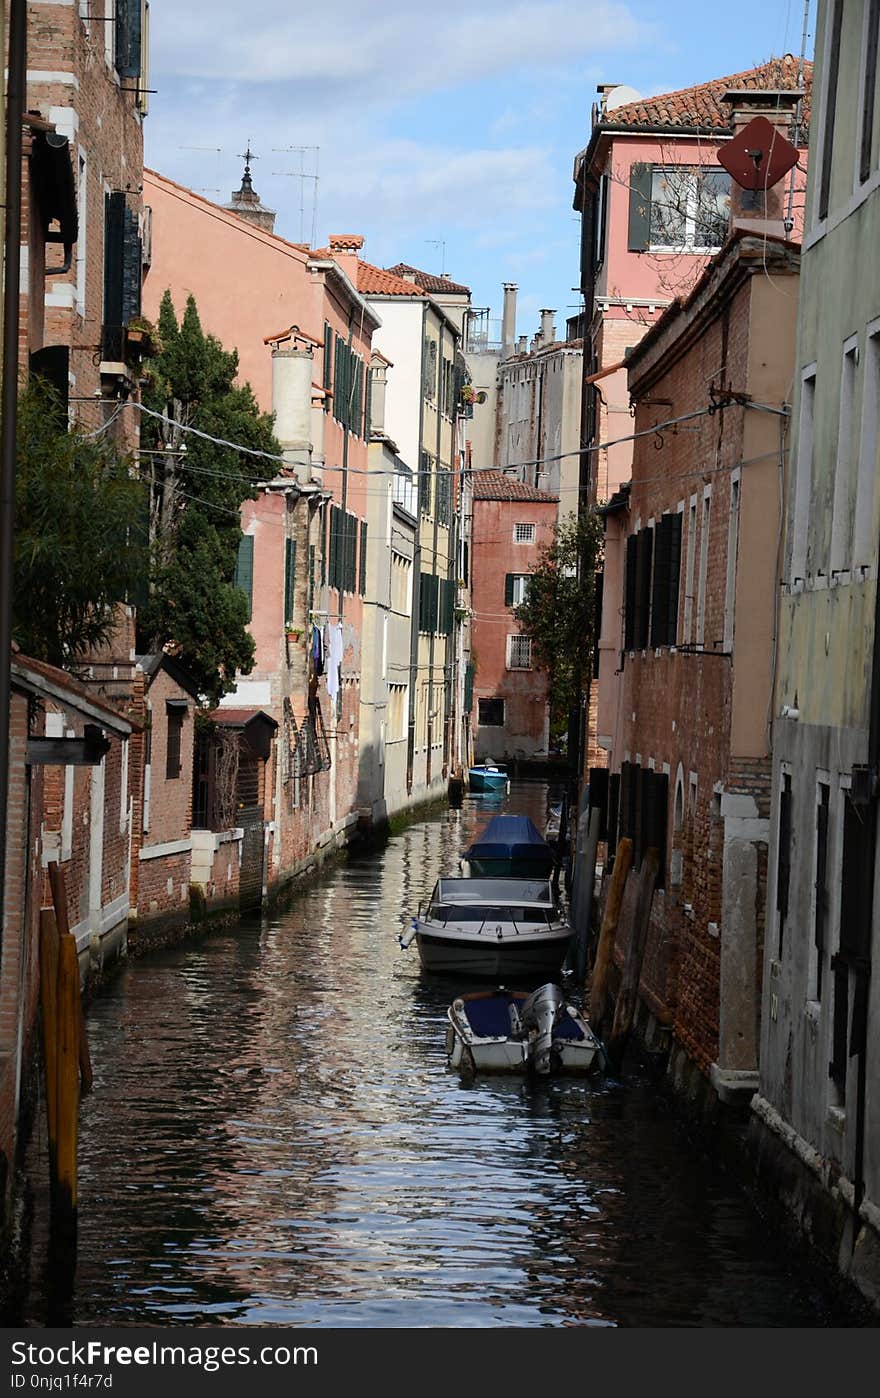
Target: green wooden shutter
[(660, 584), (289, 579), (674, 571), (328, 369), (508, 589), (128, 38), (244, 569), (362, 574), (640, 176), (351, 554), (629, 614)]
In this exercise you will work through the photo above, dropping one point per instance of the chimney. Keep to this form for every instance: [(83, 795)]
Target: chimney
[(344, 248), (761, 210), (292, 373), (548, 329), (508, 320), (522, 344)]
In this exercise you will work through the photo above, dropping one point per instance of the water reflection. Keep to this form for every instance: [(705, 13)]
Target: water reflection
[(274, 1138)]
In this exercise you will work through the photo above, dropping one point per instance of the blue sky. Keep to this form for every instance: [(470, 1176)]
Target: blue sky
[(446, 134)]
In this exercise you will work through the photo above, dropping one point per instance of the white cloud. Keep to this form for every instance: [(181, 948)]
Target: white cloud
[(385, 51)]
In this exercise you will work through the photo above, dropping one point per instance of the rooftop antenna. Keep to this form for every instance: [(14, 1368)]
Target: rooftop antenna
[(439, 243), (205, 189), (302, 175)]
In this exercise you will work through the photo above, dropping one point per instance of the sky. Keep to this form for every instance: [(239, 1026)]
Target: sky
[(444, 134)]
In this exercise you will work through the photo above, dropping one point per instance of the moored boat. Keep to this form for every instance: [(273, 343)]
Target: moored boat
[(510, 845), (513, 1031), (488, 776), (496, 927)]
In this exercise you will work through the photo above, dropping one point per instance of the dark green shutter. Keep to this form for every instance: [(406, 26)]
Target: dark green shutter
[(660, 584), (289, 578), (640, 176), (508, 589), (244, 569), (114, 267), (644, 550), (629, 615), (362, 561), (335, 573), (132, 267), (327, 380), (128, 38)]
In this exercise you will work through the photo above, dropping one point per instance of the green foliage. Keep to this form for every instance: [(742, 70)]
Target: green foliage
[(80, 545), (558, 611), (196, 496)]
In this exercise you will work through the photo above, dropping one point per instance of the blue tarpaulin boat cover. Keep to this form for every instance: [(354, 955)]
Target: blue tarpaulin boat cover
[(510, 837)]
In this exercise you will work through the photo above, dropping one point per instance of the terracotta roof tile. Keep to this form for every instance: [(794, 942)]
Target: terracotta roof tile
[(377, 282), (426, 280), (701, 107), (495, 485)]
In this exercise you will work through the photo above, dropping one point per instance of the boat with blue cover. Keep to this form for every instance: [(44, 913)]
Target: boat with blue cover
[(488, 776), (513, 1031), (509, 845)]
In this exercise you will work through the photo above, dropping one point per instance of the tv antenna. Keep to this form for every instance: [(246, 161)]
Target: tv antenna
[(215, 150), (307, 154)]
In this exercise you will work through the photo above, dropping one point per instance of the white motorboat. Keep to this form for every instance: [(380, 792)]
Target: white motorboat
[(501, 928), (513, 1031)]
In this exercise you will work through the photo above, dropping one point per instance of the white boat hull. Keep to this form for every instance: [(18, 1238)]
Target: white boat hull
[(574, 1047)]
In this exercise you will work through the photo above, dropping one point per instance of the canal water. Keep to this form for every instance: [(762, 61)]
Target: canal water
[(274, 1138)]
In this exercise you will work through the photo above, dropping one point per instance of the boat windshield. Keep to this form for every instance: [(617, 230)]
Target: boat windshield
[(482, 912)]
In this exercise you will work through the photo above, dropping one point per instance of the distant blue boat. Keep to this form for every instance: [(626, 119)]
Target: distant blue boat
[(485, 776), (509, 846)]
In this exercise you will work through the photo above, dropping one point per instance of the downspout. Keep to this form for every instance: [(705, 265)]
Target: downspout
[(416, 577), (15, 91)]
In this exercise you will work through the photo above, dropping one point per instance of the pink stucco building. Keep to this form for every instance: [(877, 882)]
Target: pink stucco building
[(512, 524), (655, 207), (303, 335)]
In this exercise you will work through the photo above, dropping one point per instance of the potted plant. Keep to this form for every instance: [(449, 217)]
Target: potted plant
[(141, 338)]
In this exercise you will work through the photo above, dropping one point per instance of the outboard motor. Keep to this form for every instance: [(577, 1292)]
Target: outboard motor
[(540, 1013)]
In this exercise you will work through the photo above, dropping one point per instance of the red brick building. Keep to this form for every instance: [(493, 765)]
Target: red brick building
[(512, 523), (690, 753)]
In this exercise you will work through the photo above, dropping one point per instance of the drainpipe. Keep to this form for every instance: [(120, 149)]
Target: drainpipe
[(9, 393), (416, 574)]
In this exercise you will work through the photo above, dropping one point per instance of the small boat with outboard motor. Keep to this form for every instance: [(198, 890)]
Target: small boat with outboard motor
[(498, 928), (509, 1031), (488, 776)]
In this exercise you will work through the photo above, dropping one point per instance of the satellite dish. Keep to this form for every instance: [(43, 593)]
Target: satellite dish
[(619, 96)]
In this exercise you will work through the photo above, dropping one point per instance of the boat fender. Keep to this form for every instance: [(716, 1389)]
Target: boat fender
[(406, 937)]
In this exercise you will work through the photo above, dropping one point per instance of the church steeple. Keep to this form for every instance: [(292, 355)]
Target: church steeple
[(246, 200)]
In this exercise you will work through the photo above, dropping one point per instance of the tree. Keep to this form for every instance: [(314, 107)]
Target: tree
[(558, 612), (197, 488), (80, 544)]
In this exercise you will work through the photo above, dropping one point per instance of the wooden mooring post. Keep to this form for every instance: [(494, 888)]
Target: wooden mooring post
[(68, 1071), (607, 934), (625, 1006)]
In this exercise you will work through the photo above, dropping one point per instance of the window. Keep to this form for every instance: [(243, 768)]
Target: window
[(429, 372), (841, 517), (866, 153), (783, 861), (348, 387), (867, 467), (427, 464), (176, 713), (443, 496), (523, 533), (405, 489), (678, 208), (704, 565), (821, 899), (664, 585), (429, 600), (123, 271), (689, 571), (244, 569), (732, 549), (803, 476), (362, 560), (519, 652), (289, 579), (515, 588), (600, 216), (491, 713), (343, 550), (830, 110)]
